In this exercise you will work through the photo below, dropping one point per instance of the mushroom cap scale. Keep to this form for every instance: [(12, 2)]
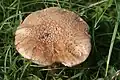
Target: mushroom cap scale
[(53, 35)]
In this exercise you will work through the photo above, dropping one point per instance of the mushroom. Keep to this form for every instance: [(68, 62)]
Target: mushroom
[(53, 35)]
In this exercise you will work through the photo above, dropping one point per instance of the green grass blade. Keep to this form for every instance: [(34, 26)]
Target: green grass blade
[(117, 2), (5, 63), (25, 67), (109, 2)]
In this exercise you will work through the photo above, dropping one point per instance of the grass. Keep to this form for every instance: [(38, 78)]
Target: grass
[(103, 18)]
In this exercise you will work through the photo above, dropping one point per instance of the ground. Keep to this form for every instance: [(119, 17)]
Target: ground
[(103, 63)]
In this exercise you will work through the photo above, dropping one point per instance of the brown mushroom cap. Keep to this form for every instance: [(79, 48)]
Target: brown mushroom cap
[(53, 35)]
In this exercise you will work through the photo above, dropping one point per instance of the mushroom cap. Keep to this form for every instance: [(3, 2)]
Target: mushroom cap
[(53, 35)]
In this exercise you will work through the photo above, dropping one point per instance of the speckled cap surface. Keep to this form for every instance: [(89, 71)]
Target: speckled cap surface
[(53, 35)]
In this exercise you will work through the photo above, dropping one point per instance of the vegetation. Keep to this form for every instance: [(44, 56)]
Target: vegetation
[(103, 18)]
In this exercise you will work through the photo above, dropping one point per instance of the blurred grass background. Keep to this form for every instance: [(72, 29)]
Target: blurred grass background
[(102, 16)]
